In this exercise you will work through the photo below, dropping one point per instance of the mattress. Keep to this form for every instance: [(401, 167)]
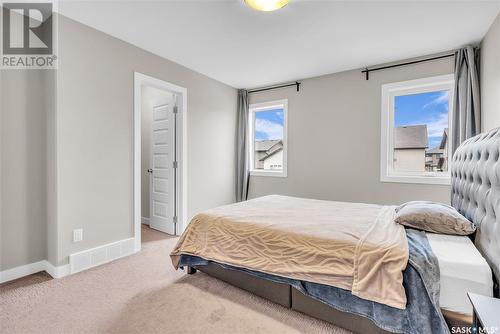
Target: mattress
[(462, 269)]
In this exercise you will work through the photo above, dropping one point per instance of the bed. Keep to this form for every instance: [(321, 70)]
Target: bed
[(460, 265)]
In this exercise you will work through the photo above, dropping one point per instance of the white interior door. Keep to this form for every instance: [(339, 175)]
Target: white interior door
[(162, 189)]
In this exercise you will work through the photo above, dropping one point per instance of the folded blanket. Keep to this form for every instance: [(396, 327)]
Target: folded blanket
[(353, 246)]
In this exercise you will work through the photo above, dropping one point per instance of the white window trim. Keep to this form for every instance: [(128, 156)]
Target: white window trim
[(256, 107), (389, 92)]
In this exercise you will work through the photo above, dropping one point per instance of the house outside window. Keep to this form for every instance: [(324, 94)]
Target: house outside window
[(415, 130), (268, 138)]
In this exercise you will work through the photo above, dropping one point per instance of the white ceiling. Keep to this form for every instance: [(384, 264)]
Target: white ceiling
[(241, 47)]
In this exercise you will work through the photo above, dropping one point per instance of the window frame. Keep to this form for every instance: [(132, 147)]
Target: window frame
[(263, 106), (389, 93)]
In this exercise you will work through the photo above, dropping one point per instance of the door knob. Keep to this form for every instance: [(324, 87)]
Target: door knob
[(150, 171)]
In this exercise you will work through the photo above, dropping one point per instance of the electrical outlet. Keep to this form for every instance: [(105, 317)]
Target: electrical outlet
[(78, 235)]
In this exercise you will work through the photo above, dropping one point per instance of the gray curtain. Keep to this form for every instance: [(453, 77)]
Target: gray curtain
[(242, 158), (467, 105)]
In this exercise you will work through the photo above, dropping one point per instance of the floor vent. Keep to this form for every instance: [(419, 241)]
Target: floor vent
[(99, 255)]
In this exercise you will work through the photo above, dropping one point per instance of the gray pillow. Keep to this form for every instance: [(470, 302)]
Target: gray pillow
[(433, 217)]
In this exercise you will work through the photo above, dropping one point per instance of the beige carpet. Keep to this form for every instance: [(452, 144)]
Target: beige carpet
[(143, 294)]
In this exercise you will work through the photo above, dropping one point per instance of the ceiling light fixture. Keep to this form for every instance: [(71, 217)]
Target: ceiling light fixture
[(266, 5)]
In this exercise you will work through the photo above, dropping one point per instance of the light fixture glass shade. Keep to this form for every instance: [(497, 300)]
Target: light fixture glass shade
[(266, 5)]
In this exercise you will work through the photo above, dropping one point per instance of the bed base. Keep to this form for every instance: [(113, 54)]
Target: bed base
[(289, 297)]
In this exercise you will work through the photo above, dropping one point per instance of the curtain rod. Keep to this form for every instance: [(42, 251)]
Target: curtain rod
[(296, 84), (367, 70)]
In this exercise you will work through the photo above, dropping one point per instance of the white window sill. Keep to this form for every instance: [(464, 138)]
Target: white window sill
[(278, 173), (419, 179)]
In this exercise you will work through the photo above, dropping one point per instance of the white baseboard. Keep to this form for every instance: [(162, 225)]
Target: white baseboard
[(77, 262), (57, 272), (17, 272), (145, 221), (32, 268), (99, 255)]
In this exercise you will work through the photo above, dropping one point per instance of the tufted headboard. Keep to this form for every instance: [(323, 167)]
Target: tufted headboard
[(475, 191)]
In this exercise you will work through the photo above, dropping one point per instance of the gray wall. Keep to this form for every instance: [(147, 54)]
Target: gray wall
[(95, 135), (53, 248), (490, 77), (67, 153), (25, 96), (334, 139)]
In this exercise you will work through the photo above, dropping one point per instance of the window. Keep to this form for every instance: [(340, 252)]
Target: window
[(267, 138), (416, 118)]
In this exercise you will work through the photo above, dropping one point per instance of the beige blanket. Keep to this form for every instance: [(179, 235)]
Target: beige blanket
[(352, 246)]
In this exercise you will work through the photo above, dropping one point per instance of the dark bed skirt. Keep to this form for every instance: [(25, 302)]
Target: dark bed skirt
[(289, 297), (275, 292)]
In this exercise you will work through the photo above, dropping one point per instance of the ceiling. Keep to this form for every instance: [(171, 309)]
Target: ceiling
[(227, 41)]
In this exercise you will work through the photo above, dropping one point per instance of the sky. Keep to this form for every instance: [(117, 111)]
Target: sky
[(425, 108), (269, 124)]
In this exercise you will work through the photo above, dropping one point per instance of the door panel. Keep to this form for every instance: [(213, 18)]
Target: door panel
[(162, 159)]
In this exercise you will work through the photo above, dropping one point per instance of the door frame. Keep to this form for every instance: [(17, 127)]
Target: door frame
[(140, 80)]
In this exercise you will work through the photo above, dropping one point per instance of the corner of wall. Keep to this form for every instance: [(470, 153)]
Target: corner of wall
[(490, 77)]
